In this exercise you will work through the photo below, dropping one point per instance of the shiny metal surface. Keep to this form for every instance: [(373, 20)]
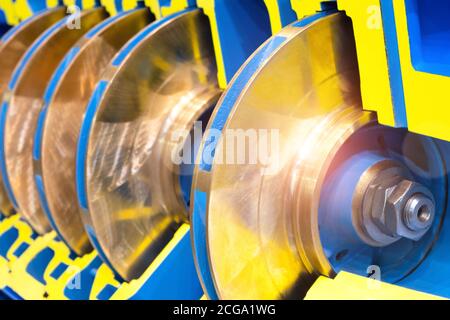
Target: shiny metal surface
[(381, 215), (166, 82), (65, 112), (12, 47), (419, 212), (262, 230), (25, 103)]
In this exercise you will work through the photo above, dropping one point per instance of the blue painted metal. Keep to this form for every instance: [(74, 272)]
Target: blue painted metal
[(234, 20), (11, 294), (7, 239), (199, 242), (287, 14), (428, 26), (431, 274), (37, 266), (393, 57), (2, 18), (83, 141), (38, 5)]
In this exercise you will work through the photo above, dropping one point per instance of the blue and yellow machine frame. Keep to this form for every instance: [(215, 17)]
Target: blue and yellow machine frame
[(398, 65)]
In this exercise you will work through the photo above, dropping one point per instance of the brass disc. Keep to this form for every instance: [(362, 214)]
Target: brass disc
[(13, 45), (158, 85), (301, 88), (21, 107), (61, 117)]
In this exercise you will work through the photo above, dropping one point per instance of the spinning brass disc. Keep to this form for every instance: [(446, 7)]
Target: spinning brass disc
[(158, 85), (301, 88), (68, 96), (22, 104), (13, 45)]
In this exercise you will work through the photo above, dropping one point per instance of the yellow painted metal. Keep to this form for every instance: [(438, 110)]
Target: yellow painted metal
[(86, 4), (7, 6), (24, 236), (23, 9), (208, 7), (305, 7), (426, 94), (6, 225), (372, 59), (162, 11), (274, 15), (104, 276), (20, 280), (347, 286), (111, 8)]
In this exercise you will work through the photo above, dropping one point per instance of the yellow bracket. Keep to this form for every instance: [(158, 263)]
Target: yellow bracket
[(208, 7), (86, 4), (306, 7), (24, 237), (20, 280), (7, 6), (348, 286), (372, 59), (163, 11), (24, 11), (110, 5), (27, 286), (103, 277)]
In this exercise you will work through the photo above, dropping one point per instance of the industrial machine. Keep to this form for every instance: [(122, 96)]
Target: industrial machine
[(224, 149)]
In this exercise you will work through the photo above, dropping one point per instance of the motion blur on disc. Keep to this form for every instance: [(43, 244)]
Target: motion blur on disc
[(307, 205), (67, 97), (22, 104), (13, 45), (160, 83)]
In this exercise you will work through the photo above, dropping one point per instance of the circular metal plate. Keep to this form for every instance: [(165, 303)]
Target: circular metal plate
[(21, 108), (300, 89), (61, 117), (13, 45), (160, 83)]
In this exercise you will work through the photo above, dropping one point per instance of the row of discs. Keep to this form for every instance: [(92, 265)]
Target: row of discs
[(87, 119), (94, 117)]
